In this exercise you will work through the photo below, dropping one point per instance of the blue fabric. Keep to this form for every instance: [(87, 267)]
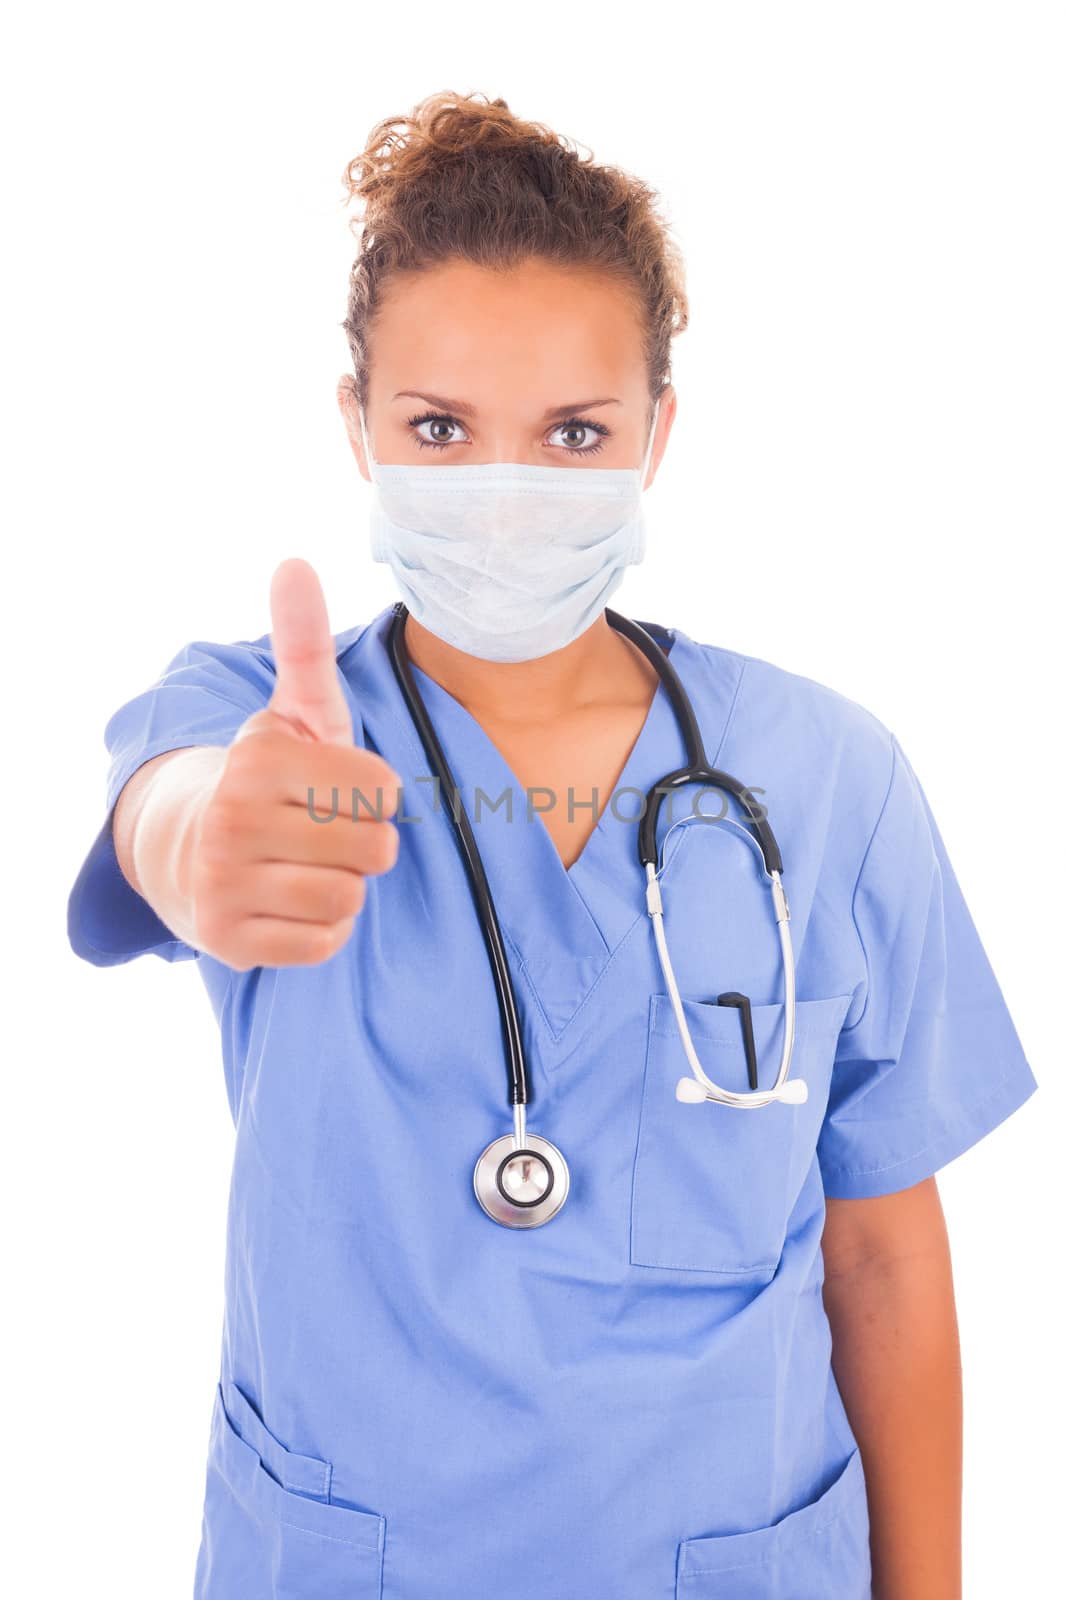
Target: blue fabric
[(636, 1399)]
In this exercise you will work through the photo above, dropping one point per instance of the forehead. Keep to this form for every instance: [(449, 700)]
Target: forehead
[(463, 329)]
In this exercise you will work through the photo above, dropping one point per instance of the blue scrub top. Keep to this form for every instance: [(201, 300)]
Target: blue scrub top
[(635, 1399)]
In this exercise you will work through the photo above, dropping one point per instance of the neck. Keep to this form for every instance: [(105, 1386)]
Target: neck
[(599, 665)]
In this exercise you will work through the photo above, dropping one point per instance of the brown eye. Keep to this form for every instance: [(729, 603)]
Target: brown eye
[(578, 437), (436, 432)]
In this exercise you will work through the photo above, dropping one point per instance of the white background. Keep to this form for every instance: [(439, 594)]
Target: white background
[(865, 484)]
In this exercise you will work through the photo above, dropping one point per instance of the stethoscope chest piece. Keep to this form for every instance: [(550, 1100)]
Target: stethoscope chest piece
[(521, 1185)]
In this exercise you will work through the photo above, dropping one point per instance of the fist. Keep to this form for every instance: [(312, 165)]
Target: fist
[(270, 885)]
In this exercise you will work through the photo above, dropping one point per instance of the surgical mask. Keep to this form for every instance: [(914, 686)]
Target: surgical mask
[(504, 561)]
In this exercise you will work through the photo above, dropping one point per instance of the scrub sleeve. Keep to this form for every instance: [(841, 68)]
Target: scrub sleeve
[(202, 697), (931, 1061)]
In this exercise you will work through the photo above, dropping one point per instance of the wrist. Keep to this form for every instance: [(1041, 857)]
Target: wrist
[(167, 831)]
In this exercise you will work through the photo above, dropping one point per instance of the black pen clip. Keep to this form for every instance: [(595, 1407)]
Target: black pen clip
[(741, 1001)]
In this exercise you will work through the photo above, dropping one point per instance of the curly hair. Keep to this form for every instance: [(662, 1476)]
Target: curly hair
[(462, 177)]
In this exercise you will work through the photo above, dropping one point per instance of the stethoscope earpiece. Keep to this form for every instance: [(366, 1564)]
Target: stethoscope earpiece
[(690, 1092)]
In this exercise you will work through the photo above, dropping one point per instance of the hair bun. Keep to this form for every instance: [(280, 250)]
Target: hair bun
[(444, 126)]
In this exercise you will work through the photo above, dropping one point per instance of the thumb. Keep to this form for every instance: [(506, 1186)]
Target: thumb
[(307, 690)]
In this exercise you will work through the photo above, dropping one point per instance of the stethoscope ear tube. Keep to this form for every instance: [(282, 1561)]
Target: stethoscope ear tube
[(712, 778), (699, 1087), (697, 769)]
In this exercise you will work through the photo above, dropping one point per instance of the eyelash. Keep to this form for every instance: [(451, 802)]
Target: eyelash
[(568, 422)]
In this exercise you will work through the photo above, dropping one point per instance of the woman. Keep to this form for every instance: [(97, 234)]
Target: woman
[(602, 1367)]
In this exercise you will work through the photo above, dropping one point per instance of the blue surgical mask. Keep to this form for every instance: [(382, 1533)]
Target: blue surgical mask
[(504, 561)]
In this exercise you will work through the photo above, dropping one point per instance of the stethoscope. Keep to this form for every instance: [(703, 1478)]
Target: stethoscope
[(521, 1180)]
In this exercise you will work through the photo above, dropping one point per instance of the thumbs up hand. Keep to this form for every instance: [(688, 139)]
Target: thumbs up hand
[(269, 885)]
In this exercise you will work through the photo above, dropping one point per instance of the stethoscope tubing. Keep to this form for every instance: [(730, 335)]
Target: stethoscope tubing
[(518, 1082), (697, 770)]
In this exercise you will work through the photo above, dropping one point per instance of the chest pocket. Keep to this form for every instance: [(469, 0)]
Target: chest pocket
[(714, 1185)]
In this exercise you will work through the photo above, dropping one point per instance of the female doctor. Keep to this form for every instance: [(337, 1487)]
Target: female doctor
[(563, 1140)]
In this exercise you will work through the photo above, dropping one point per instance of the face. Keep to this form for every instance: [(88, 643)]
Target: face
[(539, 365)]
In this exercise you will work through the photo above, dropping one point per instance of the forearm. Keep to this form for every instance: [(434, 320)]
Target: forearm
[(155, 829), (896, 1358)]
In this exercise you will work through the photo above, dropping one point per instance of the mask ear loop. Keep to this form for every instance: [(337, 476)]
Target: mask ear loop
[(371, 463), (648, 447), (637, 544)]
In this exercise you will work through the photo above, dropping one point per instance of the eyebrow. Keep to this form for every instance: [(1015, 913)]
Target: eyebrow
[(463, 408)]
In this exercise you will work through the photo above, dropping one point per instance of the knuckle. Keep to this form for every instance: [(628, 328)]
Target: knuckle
[(331, 903), (326, 940), (323, 801), (247, 750), (374, 846), (347, 898), (252, 728), (244, 954), (375, 780), (249, 948), (210, 926), (241, 962), (389, 785), (258, 753), (388, 845)]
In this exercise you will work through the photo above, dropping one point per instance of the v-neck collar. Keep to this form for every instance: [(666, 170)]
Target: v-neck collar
[(431, 690), (563, 925)]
